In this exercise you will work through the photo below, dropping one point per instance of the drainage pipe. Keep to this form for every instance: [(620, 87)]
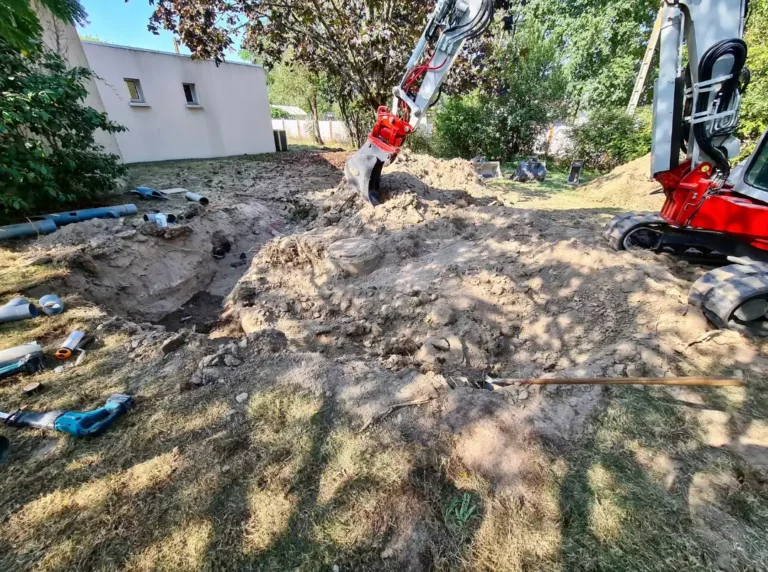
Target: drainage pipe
[(16, 313), (160, 219), (16, 302), (13, 355), (65, 218), (196, 199), (34, 228)]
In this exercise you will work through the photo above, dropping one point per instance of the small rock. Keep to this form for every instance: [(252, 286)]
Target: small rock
[(682, 264), (551, 388), (523, 395), (225, 468), (172, 344), (634, 370), (618, 369), (242, 344), (130, 233), (335, 568), (738, 374), (231, 361), (441, 315), (628, 287), (59, 369), (284, 307), (40, 261), (241, 397), (210, 375), (387, 553), (209, 361), (345, 305), (231, 413)]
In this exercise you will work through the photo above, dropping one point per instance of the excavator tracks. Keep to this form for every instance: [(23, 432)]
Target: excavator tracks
[(626, 225), (734, 297), (731, 297)]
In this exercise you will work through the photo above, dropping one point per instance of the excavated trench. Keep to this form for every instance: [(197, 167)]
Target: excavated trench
[(177, 278)]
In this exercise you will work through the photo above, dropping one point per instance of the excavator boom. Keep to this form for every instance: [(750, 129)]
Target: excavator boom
[(451, 24)]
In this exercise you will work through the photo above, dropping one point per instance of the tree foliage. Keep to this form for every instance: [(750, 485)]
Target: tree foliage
[(754, 110), (522, 92), (20, 26), (601, 44), (362, 44), (47, 148), (611, 137)]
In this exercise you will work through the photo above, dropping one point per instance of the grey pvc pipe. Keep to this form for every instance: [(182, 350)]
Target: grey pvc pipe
[(160, 219), (25, 229), (12, 355), (17, 313), (196, 199)]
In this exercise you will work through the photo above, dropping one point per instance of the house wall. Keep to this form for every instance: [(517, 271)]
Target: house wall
[(62, 38), (233, 117)]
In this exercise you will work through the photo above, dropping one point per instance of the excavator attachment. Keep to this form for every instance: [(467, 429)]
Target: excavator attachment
[(362, 171), (451, 24)]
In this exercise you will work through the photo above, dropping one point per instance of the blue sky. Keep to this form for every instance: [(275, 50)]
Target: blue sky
[(125, 23)]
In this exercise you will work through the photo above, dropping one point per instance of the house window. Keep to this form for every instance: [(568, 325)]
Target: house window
[(190, 93), (134, 90)]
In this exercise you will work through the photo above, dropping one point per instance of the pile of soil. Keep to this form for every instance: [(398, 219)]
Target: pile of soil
[(627, 186)]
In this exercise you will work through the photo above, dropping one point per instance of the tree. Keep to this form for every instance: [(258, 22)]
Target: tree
[(361, 44), (20, 26), (754, 105), (601, 44), (292, 84), (522, 91), (611, 137), (47, 148)]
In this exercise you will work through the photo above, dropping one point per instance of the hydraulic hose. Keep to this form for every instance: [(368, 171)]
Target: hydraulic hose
[(738, 49)]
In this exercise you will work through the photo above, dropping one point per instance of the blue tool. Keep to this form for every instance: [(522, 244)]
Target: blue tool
[(79, 424), (31, 363), (146, 194)]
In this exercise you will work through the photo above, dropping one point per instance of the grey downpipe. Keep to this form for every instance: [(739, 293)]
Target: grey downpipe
[(196, 199), (26, 229), (17, 313), (13, 355)]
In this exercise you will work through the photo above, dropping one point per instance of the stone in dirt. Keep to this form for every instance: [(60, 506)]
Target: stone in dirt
[(173, 343), (354, 256), (441, 314), (231, 361), (241, 397)]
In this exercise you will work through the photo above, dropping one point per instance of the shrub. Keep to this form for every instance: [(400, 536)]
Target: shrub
[(47, 148), (610, 137)]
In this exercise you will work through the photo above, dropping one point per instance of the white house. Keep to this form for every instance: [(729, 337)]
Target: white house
[(178, 108)]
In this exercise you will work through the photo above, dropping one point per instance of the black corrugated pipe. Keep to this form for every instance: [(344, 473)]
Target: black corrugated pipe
[(738, 49)]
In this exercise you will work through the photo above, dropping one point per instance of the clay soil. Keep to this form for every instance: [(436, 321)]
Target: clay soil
[(291, 415)]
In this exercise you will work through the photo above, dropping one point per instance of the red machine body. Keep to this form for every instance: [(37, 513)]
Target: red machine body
[(694, 202), (390, 131)]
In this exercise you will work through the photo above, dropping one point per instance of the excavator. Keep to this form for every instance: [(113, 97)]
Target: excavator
[(711, 213), (452, 23)]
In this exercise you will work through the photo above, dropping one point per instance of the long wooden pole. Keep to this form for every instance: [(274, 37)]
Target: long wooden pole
[(692, 381)]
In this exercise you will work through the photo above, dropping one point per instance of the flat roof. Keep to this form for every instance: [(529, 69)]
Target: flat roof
[(188, 56)]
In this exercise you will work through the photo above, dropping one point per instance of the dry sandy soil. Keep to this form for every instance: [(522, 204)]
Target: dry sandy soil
[(293, 415)]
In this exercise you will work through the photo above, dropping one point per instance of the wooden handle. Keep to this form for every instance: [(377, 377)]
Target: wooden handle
[(691, 381)]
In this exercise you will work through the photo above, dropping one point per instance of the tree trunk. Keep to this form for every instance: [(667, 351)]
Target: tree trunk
[(315, 118)]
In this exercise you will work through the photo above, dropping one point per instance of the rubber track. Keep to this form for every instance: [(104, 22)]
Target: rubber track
[(618, 227), (721, 291)]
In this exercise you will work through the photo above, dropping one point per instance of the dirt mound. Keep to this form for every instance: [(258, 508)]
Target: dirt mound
[(627, 186)]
